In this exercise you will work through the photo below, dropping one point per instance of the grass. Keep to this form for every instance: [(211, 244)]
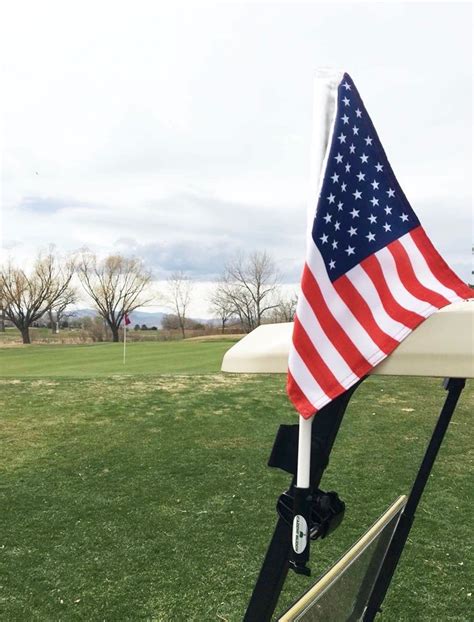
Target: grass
[(69, 336), (232, 337), (147, 497), (93, 360), (12, 336)]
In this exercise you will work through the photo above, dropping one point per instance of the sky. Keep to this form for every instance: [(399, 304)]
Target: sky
[(180, 133)]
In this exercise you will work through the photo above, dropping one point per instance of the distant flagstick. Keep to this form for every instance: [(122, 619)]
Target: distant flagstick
[(126, 322), (124, 342)]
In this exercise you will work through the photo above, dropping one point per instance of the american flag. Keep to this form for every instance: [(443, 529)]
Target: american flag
[(371, 273)]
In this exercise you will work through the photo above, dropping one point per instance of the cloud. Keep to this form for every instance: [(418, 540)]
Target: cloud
[(199, 234), (48, 205), (168, 138)]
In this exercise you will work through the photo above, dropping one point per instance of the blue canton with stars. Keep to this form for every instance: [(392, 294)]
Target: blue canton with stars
[(361, 207)]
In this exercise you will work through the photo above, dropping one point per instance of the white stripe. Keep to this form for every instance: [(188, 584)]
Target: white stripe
[(326, 350), (305, 380), (364, 285), (422, 269), (398, 290), (340, 311)]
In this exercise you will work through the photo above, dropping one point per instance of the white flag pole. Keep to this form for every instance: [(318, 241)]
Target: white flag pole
[(324, 116), (124, 340), (326, 84), (304, 452)]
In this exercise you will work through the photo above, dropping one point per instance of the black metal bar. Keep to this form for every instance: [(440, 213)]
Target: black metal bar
[(454, 387), (272, 576), (275, 566)]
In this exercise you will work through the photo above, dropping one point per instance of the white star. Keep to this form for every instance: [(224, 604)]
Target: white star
[(341, 138), (352, 149), (354, 213), (346, 101), (331, 198), (334, 244), (346, 86), (343, 187), (324, 238), (373, 219), (332, 264), (404, 217), (387, 227), (364, 158), (352, 231), (335, 178), (368, 140), (391, 193), (337, 226), (375, 185), (379, 167), (355, 129), (338, 158), (348, 168), (358, 113), (328, 218), (357, 194), (370, 237), (339, 206), (361, 176), (345, 119), (388, 210), (350, 250), (374, 201)]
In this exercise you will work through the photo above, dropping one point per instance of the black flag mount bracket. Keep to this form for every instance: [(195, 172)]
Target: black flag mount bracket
[(326, 512), (325, 509)]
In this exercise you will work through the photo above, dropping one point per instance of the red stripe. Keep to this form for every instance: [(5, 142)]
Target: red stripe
[(362, 312), (339, 338), (313, 361), (409, 279), (300, 402), (438, 266), (391, 306)]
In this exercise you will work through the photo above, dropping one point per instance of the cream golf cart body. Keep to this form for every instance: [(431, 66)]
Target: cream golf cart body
[(442, 346)]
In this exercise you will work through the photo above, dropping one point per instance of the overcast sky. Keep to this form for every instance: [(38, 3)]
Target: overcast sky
[(182, 134)]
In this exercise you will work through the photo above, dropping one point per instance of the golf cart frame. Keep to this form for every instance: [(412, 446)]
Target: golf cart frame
[(442, 346)]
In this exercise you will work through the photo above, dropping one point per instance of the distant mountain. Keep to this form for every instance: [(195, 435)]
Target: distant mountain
[(84, 312), (147, 318), (139, 317)]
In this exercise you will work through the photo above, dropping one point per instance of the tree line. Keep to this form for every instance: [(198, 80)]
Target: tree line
[(247, 294)]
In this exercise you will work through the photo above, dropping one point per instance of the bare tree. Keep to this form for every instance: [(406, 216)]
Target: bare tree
[(285, 309), (27, 297), (117, 286), (221, 306), (170, 321), (250, 284), (178, 297), (2, 316), (57, 310)]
